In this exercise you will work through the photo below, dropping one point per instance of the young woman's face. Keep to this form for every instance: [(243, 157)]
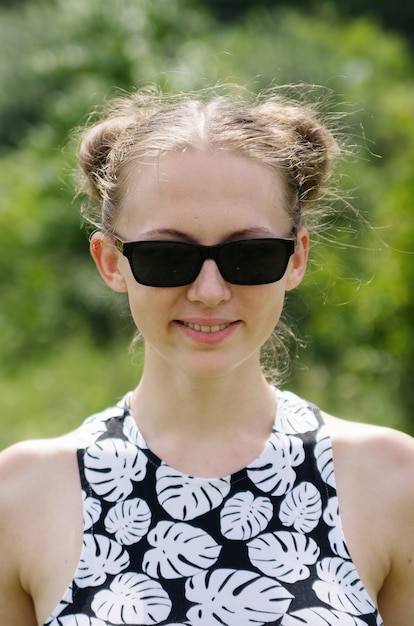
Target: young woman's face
[(210, 327)]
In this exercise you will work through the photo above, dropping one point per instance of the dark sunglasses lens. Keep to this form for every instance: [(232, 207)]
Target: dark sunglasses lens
[(256, 261), (163, 263), (175, 263)]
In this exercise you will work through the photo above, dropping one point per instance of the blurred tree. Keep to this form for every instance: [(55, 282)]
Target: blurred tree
[(382, 11), (68, 55), (11, 3)]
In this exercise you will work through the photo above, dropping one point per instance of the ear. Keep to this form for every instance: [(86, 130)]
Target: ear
[(108, 261), (299, 259)]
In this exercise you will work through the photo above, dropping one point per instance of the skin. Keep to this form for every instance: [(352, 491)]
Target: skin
[(212, 385)]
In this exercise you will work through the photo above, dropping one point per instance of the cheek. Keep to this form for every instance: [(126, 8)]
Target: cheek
[(267, 303), (139, 305), (150, 309)]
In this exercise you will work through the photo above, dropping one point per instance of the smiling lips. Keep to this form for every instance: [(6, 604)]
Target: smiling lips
[(206, 329)]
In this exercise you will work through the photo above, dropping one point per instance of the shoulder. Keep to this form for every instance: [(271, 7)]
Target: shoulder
[(39, 508), (385, 449), (381, 455), (33, 455), (34, 476), (374, 469), (26, 468)]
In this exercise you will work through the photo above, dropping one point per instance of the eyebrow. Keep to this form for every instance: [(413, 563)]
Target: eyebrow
[(255, 231)]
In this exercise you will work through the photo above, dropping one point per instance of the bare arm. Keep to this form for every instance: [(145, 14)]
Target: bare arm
[(396, 598), (40, 528), (16, 606), (374, 470)]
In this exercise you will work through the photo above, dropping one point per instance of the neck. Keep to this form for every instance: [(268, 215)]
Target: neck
[(176, 400), (182, 418)]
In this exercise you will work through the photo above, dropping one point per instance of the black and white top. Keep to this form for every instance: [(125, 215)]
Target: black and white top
[(263, 546)]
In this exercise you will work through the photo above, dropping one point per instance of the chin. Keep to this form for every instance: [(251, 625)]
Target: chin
[(213, 367)]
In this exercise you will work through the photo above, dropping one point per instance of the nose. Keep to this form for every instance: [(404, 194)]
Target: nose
[(209, 287)]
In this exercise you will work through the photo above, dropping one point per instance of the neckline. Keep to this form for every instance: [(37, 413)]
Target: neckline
[(132, 432), (284, 424)]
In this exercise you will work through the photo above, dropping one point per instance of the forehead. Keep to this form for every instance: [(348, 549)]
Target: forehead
[(202, 186)]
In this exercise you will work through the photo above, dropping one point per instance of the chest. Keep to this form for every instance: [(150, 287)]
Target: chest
[(261, 546)]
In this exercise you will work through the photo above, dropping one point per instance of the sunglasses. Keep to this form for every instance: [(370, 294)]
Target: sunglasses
[(178, 263)]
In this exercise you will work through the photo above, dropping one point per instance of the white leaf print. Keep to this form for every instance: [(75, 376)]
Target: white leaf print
[(93, 427), (179, 550), (128, 520), (273, 470), (336, 535), (92, 509), (131, 599), (185, 497), (132, 433), (100, 556), (294, 414), (110, 467), (324, 459), (243, 516), (320, 617), (302, 508), (340, 587), (283, 555), (77, 620), (227, 597)]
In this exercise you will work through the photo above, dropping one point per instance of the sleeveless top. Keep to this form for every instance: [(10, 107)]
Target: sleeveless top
[(261, 547)]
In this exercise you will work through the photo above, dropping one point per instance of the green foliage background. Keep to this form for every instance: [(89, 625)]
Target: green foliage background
[(63, 338)]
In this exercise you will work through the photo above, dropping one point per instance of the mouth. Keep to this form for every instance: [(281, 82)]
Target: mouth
[(206, 329)]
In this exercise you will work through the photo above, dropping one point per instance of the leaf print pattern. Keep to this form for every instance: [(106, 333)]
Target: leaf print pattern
[(111, 466), (340, 587), (132, 599), (132, 433), (336, 535), (324, 460), (320, 617), (129, 521), (179, 550), (293, 415), (95, 426), (185, 497), (243, 516), (100, 556), (273, 471), (302, 508), (78, 620), (92, 511), (235, 598), (261, 547), (283, 555)]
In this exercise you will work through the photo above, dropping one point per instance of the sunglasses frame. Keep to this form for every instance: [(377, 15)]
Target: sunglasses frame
[(206, 252)]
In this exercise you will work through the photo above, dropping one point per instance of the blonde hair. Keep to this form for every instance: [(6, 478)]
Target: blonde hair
[(280, 133)]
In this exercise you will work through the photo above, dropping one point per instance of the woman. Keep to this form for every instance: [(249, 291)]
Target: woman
[(206, 496)]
